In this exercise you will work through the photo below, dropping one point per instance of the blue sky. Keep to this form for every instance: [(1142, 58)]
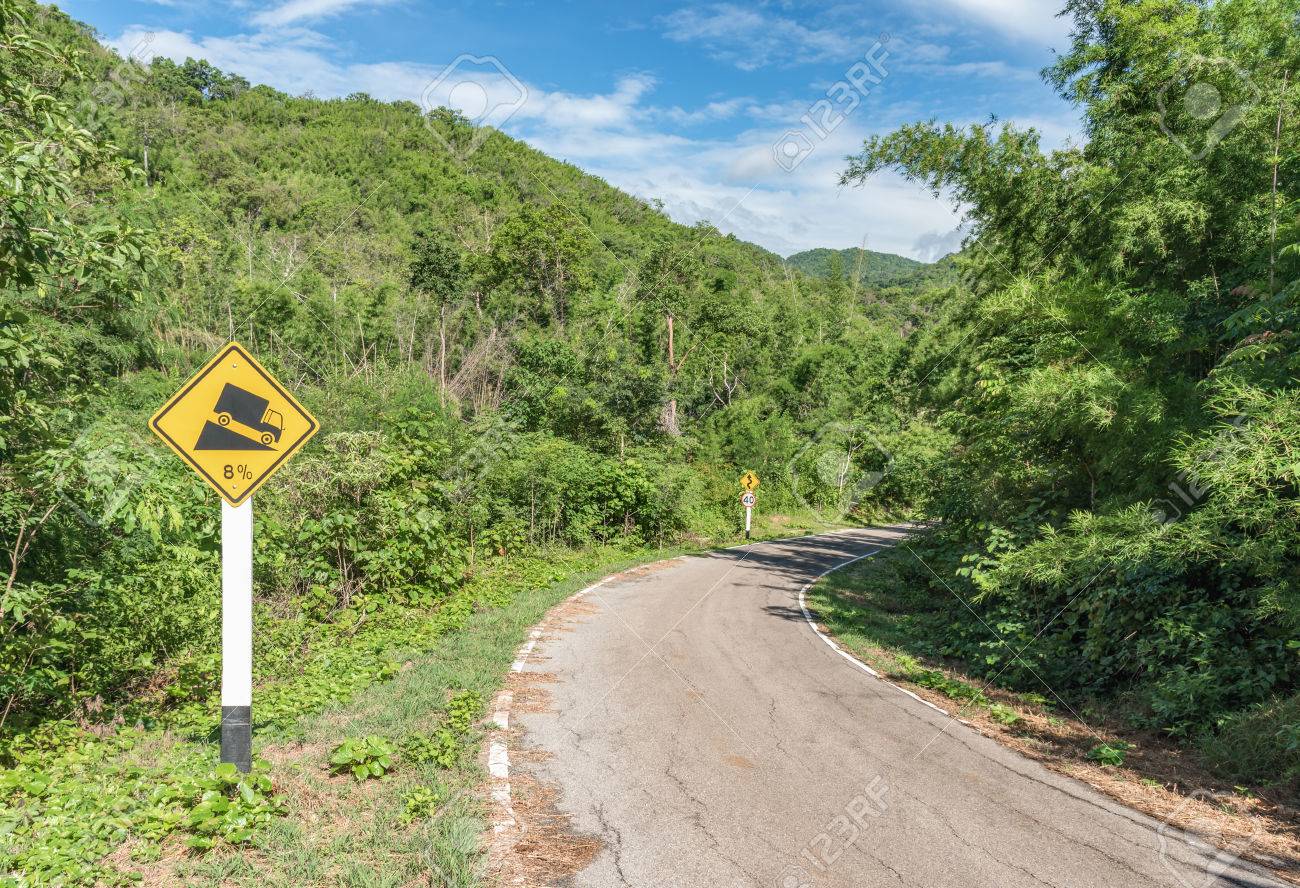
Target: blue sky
[(701, 106)]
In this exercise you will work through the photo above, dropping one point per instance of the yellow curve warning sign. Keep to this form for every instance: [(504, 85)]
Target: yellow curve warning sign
[(234, 423), (749, 481)]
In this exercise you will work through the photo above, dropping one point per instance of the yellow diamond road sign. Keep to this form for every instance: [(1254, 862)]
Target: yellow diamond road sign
[(749, 481), (234, 423)]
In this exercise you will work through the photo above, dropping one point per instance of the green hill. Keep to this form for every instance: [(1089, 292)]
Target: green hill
[(505, 353), (871, 269)]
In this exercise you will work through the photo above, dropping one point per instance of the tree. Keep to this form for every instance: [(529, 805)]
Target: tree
[(538, 260), (437, 271), (666, 284)]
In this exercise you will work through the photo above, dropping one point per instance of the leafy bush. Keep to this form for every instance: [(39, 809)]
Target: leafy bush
[(442, 748), (1004, 714), (463, 710), (1260, 745), (69, 797), (420, 802), (231, 805), (1110, 753), (363, 757)]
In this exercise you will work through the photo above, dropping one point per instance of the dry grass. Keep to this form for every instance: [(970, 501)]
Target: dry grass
[(543, 849), (530, 692)]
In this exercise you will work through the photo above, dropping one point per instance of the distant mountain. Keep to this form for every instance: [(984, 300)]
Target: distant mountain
[(942, 273), (871, 268)]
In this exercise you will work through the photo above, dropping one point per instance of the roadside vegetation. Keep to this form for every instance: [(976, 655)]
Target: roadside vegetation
[(522, 373), (1120, 503), (877, 611)]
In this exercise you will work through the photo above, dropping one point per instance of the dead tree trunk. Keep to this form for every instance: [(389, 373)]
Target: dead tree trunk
[(669, 418)]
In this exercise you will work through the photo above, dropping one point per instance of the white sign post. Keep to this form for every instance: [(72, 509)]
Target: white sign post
[(747, 499), (237, 634)]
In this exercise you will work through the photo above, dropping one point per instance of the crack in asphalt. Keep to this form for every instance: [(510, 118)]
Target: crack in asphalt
[(613, 839)]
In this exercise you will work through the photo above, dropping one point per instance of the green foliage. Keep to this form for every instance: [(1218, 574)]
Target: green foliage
[(1120, 492), (420, 802), (448, 744), (487, 344), (463, 710), (1004, 714), (937, 680), (231, 805), (68, 798), (442, 748), (1110, 753), (866, 267), (1259, 745), (363, 757)]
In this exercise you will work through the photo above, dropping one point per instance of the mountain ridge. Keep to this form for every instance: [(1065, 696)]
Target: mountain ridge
[(870, 267)]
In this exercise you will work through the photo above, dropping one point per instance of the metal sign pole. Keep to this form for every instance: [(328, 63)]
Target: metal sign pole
[(237, 634), (749, 514)]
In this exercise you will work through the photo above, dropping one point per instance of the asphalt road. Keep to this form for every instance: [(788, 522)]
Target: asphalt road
[(710, 738)]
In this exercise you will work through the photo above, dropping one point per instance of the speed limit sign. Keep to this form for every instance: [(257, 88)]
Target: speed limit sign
[(747, 499)]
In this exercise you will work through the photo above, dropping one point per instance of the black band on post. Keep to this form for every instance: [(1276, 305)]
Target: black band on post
[(237, 736)]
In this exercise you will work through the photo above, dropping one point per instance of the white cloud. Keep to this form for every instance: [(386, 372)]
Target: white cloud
[(934, 245), (305, 10), (710, 113), (751, 39), (624, 138), (615, 110), (1029, 20), (998, 70)]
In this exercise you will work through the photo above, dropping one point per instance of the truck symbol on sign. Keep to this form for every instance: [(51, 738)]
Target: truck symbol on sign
[(239, 413), (249, 410)]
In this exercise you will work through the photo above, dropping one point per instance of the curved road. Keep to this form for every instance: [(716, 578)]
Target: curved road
[(710, 738)]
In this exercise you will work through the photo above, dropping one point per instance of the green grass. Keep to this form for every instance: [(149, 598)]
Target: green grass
[(871, 609), (76, 796), (368, 843), (878, 616), (101, 807), (1260, 745)]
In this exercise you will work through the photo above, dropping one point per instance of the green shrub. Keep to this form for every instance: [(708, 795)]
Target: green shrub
[(69, 797), (363, 757), (442, 748), (1003, 714), (1258, 745), (463, 710), (231, 805), (420, 802), (1110, 753)]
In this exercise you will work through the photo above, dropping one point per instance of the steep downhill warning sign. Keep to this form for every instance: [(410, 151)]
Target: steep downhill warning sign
[(234, 423)]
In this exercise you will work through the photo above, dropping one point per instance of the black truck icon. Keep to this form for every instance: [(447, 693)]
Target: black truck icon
[(251, 411)]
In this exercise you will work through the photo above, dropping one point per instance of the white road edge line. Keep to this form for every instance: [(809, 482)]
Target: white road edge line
[(830, 642), (498, 750), (498, 746)]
